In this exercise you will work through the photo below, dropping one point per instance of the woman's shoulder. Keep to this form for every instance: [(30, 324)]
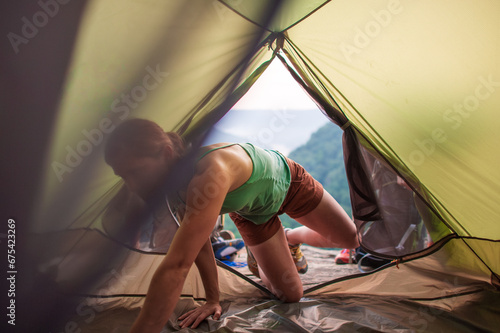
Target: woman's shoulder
[(215, 147), (222, 155), (218, 145)]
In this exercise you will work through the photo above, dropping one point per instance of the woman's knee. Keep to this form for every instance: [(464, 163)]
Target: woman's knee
[(288, 288), (290, 295), (351, 240)]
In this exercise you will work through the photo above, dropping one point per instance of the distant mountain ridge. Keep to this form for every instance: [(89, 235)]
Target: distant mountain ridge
[(282, 130)]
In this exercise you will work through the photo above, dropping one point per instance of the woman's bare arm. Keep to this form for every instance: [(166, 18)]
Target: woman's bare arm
[(208, 271), (207, 266), (205, 195)]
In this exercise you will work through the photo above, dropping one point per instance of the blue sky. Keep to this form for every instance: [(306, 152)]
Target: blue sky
[(275, 113)]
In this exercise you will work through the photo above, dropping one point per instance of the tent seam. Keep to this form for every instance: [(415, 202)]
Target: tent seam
[(243, 16), (437, 246), (393, 152), (299, 53), (305, 17), (235, 272)]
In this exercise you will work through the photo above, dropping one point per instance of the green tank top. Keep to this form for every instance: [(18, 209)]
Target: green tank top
[(261, 196)]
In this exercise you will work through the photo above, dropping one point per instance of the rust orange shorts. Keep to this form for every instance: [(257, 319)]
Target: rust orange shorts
[(304, 194)]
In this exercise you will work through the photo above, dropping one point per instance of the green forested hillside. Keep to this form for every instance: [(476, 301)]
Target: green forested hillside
[(322, 157)]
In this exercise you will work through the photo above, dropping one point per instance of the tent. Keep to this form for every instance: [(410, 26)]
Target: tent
[(413, 85)]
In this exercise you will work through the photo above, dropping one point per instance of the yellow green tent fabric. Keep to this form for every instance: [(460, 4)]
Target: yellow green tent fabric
[(416, 83)]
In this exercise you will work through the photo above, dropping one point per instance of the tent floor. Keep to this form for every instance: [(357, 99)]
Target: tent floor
[(338, 312)]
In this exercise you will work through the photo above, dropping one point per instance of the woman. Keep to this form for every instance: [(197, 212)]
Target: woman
[(255, 185)]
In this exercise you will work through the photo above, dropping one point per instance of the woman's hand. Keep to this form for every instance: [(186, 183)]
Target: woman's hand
[(196, 316)]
